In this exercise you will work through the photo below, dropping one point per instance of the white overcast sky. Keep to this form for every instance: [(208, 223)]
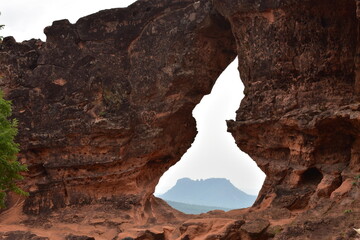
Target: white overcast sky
[(213, 153)]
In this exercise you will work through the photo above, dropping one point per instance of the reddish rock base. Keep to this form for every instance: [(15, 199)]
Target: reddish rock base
[(330, 220)]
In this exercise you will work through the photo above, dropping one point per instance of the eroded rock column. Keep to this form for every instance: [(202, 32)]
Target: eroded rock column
[(299, 117)]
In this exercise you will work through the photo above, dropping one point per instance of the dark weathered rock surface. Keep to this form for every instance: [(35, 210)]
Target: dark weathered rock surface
[(74, 237), (105, 106), (20, 235), (300, 115)]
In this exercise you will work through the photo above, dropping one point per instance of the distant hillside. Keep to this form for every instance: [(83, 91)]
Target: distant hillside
[(210, 192), (194, 209)]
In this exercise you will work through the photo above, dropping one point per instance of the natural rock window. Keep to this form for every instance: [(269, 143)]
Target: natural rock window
[(214, 153)]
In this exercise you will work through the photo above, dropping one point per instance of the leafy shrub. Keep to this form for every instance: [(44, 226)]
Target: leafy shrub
[(10, 168)]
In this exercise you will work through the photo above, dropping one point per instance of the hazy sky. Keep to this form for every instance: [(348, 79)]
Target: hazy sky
[(213, 153)]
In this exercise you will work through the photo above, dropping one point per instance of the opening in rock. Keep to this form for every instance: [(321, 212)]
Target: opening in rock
[(312, 176), (214, 173)]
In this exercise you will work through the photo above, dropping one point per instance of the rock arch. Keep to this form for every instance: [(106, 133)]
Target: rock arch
[(105, 108)]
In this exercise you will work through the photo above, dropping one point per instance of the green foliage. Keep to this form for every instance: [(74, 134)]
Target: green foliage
[(10, 168), (278, 229), (348, 211), (356, 180)]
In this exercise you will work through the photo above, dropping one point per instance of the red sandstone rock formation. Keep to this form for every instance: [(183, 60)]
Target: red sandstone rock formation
[(105, 109), (299, 117), (105, 105)]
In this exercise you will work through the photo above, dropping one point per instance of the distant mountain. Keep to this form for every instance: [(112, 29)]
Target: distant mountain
[(192, 208), (217, 192)]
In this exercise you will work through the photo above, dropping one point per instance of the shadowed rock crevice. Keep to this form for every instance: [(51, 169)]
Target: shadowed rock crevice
[(311, 176)]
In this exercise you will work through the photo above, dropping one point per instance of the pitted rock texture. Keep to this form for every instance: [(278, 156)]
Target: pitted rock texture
[(299, 119), (105, 106), (298, 65)]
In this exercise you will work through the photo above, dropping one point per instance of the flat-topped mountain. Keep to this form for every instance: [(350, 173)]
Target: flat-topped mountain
[(218, 192)]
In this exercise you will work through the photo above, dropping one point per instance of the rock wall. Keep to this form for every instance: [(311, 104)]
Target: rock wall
[(105, 106), (299, 116)]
